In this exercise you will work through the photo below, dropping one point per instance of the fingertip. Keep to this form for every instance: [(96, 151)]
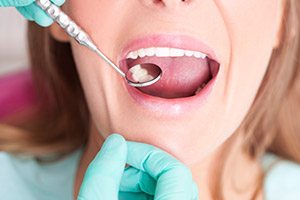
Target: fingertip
[(117, 137), (39, 16), (195, 191), (113, 150), (42, 19), (44, 23), (58, 2), (138, 153), (114, 141)]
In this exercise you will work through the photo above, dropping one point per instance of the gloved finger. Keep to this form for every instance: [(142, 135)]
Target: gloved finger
[(174, 180), (15, 3), (103, 176), (24, 12), (195, 193), (135, 180), (133, 196), (39, 16), (58, 2)]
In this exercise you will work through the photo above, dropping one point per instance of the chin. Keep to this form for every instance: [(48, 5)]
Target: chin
[(177, 143)]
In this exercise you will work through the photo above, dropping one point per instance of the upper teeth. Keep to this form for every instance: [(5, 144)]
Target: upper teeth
[(140, 74), (164, 52)]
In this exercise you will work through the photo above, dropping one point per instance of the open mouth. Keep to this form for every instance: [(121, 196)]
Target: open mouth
[(184, 72)]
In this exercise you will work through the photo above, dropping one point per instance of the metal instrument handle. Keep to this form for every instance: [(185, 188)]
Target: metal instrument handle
[(72, 29)]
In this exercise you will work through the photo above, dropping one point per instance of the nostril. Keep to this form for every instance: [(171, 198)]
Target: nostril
[(169, 3), (159, 2)]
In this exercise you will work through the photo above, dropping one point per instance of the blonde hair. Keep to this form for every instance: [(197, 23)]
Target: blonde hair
[(61, 122)]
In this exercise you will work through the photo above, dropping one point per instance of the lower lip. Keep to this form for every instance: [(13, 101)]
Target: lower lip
[(170, 108)]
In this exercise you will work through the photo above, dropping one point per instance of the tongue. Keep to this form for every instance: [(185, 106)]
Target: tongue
[(181, 76)]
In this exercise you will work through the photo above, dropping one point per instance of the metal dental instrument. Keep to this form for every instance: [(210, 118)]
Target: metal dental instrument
[(53, 11)]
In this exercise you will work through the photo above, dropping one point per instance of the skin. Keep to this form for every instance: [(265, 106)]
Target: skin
[(242, 33)]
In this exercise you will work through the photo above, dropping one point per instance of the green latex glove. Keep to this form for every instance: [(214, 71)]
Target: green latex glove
[(30, 10), (153, 174)]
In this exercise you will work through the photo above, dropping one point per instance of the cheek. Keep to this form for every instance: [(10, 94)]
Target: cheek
[(253, 28), (95, 75), (96, 17)]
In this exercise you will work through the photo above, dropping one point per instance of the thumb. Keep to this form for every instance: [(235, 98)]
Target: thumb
[(103, 176)]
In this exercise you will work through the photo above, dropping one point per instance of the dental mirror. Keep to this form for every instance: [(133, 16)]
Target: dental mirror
[(142, 75), (137, 76)]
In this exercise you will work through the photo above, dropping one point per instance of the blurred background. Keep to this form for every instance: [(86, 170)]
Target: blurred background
[(13, 55)]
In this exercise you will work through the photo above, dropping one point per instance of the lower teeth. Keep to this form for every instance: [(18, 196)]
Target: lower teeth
[(200, 88), (140, 75)]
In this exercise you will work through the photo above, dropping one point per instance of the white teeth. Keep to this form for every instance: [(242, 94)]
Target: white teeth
[(141, 53), (133, 55), (150, 51), (200, 88), (176, 52), (188, 53), (164, 52), (197, 54), (140, 75)]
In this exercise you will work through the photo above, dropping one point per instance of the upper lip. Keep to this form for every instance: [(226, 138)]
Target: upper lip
[(167, 40)]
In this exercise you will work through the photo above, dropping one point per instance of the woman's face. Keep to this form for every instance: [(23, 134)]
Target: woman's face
[(238, 34)]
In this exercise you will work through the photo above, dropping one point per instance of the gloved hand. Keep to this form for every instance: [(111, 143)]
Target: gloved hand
[(30, 10), (152, 174)]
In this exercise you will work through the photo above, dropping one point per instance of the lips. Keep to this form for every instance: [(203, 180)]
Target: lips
[(186, 80)]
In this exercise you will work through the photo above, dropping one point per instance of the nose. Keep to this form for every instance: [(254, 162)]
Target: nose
[(171, 4)]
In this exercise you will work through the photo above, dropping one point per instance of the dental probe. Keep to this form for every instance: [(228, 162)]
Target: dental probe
[(140, 75)]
